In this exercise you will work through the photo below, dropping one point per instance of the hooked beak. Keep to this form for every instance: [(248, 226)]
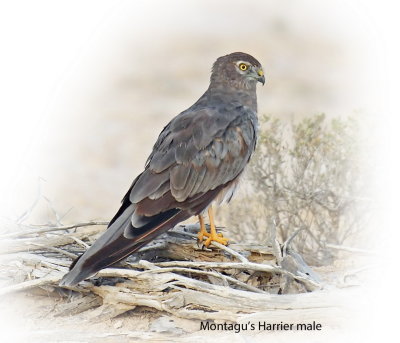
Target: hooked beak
[(260, 76)]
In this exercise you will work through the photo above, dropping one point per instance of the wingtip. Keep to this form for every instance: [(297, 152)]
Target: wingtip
[(72, 278), (67, 281)]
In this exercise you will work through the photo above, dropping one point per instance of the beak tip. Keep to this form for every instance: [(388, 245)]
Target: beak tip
[(261, 76)]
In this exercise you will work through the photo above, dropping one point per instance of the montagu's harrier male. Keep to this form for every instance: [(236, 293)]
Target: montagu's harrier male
[(197, 159)]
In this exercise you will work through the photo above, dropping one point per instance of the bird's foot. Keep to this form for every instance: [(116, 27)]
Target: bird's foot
[(213, 237), (210, 237), (201, 235)]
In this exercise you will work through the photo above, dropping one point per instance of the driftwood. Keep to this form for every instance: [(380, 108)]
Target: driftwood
[(174, 274)]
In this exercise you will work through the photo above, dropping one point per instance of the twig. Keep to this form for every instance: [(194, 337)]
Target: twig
[(64, 252), (80, 242), (153, 268), (28, 244), (357, 271), (289, 240), (277, 251), (25, 215), (50, 229), (30, 284), (56, 215), (34, 258), (240, 266), (350, 249), (240, 257), (203, 272), (275, 243)]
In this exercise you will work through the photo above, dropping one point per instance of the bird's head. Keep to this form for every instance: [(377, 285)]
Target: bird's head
[(238, 70)]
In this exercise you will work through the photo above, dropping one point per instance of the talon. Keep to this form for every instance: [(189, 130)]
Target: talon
[(212, 236), (221, 240)]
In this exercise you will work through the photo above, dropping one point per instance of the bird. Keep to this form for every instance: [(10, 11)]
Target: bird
[(197, 160)]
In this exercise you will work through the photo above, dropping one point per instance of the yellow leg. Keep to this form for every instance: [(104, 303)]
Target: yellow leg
[(203, 231), (213, 235)]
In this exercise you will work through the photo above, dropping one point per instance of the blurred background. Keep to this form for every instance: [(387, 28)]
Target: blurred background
[(88, 85), (115, 73)]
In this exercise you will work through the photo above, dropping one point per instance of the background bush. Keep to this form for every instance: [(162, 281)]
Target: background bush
[(303, 176)]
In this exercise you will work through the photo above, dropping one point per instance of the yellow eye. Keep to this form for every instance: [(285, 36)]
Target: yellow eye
[(243, 66)]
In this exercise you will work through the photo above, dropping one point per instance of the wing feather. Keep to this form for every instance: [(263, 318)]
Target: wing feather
[(146, 184), (197, 178), (196, 152)]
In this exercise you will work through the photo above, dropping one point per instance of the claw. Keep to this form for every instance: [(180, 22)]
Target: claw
[(219, 239), (212, 236)]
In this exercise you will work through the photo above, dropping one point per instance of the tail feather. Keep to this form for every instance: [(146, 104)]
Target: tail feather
[(113, 245), (132, 227)]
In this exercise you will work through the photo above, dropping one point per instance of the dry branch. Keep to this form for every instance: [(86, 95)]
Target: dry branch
[(30, 231), (173, 274), (350, 249), (8, 246)]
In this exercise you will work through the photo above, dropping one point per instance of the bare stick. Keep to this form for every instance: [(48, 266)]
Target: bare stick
[(350, 249), (28, 244), (241, 266), (50, 229), (240, 257), (30, 258), (289, 240), (203, 272), (28, 212), (80, 242), (30, 284), (64, 252)]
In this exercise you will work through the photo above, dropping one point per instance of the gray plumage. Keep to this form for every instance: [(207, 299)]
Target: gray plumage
[(197, 158)]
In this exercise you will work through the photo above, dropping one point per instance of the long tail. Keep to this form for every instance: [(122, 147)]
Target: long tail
[(113, 246)]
